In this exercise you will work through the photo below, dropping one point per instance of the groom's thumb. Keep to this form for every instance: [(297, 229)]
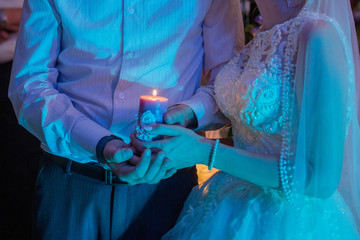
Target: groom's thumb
[(122, 155)]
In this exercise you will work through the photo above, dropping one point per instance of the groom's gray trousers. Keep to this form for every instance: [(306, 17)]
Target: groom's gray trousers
[(100, 211)]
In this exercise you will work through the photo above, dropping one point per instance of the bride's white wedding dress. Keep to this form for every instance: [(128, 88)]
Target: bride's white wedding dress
[(250, 91)]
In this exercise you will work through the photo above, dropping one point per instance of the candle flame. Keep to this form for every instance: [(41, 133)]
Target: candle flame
[(155, 93)]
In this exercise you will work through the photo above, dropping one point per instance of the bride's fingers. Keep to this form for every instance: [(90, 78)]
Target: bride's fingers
[(163, 144), (167, 130)]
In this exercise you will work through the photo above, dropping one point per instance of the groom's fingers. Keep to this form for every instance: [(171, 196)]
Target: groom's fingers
[(155, 167), (174, 116), (140, 170), (170, 173), (156, 171), (144, 163), (136, 143), (161, 173), (121, 169), (179, 114), (121, 155)]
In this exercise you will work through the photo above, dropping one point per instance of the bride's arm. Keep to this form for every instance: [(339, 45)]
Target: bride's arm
[(322, 90), (185, 148), (261, 169)]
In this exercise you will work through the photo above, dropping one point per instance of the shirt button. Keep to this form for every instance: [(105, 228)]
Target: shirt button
[(131, 10), (122, 95)]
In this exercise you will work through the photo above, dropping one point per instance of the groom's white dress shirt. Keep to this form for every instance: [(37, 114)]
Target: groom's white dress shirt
[(81, 65)]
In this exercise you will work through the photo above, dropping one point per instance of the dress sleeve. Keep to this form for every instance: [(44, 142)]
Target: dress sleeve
[(39, 106), (223, 34), (319, 116)]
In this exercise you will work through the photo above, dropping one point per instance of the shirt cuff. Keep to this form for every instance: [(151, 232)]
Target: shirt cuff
[(203, 109), (85, 135)]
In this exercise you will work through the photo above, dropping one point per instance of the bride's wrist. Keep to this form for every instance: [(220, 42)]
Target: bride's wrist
[(206, 147)]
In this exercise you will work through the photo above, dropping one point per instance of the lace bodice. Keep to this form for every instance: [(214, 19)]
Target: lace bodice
[(249, 88)]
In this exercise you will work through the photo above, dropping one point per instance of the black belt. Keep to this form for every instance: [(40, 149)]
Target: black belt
[(87, 170)]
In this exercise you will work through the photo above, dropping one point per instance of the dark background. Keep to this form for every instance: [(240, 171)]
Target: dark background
[(20, 154)]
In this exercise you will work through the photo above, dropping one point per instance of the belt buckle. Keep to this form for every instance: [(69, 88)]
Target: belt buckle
[(109, 177)]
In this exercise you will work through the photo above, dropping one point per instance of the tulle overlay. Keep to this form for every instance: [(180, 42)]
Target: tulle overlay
[(250, 91), (226, 207)]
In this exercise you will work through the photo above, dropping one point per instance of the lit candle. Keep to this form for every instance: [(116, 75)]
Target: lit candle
[(151, 112)]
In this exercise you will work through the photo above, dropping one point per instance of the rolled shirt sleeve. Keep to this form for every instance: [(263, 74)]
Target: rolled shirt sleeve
[(223, 33)]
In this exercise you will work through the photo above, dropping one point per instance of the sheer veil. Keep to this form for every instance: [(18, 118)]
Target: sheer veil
[(293, 169)]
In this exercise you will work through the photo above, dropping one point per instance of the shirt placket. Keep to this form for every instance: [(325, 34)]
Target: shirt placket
[(123, 98)]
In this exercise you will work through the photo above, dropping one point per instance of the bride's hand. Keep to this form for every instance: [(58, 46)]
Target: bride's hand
[(183, 147)]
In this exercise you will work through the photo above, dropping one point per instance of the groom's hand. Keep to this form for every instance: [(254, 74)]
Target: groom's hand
[(134, 167), (118, 155), (159, 167), (182, 115)]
